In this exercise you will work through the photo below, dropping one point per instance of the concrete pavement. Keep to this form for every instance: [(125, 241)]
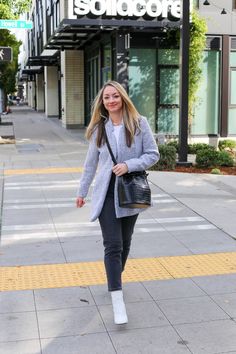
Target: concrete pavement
[(171, 310)]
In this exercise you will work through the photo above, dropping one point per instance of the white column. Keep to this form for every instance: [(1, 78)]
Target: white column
[(40, 92), (51, 91), (72, 88), (31, 94)]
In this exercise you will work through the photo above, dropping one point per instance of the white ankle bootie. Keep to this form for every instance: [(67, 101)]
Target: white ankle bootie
[(119, 310)]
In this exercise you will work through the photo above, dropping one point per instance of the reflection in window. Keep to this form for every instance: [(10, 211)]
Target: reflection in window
[(106, 65), (206, 112), (168, 56), (169, 86), (142, 85), (168, 121)]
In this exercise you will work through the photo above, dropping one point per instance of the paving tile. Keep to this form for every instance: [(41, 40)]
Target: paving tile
[(77, 251), (206, 241), (101, 294), (172, 289), (69, 322), (16, 301), (21, 347), (26, 236), (31, 253), (133, 292), (18, 326), (227, 302), (154, 246), (209, 337), (98, 343), (24, 217), (217, 284), (51, 299), (190, 310), (64, 215), (160, 340), (140, 315)]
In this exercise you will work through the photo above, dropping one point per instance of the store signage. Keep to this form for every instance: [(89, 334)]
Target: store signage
[(19, 24), (5, 54), (128, 8)]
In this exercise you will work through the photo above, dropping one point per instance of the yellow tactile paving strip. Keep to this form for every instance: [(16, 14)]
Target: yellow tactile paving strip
[(92, 273), (32, 171)]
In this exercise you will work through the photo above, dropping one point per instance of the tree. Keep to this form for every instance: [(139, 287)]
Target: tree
[(15, 7), (198, 31), (8, 70), (10, 9)]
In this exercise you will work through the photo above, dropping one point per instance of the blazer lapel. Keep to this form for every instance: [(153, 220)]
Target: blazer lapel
[(122, 145), (112, 140)]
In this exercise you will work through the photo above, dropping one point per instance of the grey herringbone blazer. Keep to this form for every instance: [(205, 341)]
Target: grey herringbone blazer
[(142, 154)]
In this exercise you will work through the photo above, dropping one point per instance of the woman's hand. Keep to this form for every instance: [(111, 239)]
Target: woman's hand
[(120, 169), (80, 202)]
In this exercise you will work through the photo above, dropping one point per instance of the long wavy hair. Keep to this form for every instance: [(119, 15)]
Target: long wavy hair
[(100, 115)]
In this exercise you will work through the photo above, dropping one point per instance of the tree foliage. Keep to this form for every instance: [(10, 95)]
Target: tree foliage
[(198, 30), (10, 9), (15, 7), (8, 69)]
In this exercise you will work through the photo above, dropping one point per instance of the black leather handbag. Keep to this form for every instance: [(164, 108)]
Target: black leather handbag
[(133, 188)]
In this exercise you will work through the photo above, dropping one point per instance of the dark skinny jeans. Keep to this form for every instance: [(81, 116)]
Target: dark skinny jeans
[(117, 235)]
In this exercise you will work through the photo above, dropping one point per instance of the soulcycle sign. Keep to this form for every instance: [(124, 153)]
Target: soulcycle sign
[(128, 8)]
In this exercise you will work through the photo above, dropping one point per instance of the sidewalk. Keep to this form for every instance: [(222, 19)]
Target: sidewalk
[(180, 283)]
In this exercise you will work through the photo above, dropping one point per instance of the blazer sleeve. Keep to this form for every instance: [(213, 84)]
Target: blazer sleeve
[(150, 153), (90, 167)]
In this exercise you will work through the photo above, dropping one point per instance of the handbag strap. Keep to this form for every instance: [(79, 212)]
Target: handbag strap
[(109, 146)]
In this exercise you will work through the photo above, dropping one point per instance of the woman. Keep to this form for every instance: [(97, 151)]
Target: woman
[(135, 149)]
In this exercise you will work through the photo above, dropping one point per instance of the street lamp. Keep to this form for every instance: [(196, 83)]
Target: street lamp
[(184, 83)]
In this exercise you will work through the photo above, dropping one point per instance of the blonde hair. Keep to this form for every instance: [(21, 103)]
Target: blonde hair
[(100, 114)]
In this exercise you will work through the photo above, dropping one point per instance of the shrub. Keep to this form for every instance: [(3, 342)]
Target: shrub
[(227, 144), (216, 171), (213, 158), (207, 158), (167, 158), (225, 159), (174, 143), (194, 148)]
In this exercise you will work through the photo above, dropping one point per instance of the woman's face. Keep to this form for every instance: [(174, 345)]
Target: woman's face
[(112, 100)]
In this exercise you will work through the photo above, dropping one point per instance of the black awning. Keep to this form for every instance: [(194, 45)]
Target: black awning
[(75, 33), (46, 60)]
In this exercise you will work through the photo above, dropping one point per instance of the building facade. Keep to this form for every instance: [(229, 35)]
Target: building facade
[(77, 45)]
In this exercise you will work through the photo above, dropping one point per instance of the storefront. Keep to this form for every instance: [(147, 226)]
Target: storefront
[(134, 42), (128, 41)]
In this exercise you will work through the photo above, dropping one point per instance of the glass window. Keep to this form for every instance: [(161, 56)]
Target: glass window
[(169, 86), (106, 65), (142, 82), (168, 121), (232, 121), (206, 112), (168, 91), (232, 95), (233, 59), (168, 56), (233, 87)]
